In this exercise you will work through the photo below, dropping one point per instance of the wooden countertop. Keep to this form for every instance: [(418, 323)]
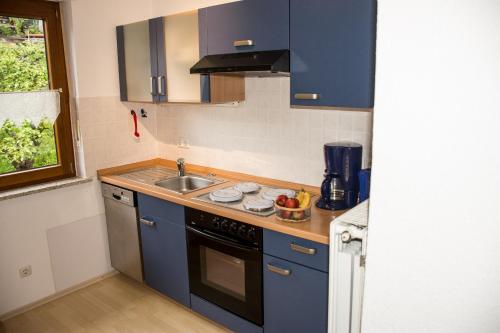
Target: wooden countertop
[(317, 229)]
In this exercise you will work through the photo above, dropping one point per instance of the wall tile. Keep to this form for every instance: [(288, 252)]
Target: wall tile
[(262, 135), (106, 127)]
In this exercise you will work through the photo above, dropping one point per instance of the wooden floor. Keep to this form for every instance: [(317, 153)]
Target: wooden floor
[(117, 305)]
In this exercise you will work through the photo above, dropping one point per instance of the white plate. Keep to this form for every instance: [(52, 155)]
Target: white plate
[(258, 205), (226, 195), (248, 187), (273, 193)]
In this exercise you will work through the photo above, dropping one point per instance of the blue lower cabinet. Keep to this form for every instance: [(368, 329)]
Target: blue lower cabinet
[(295, 297), (223, 317), (164, 251)]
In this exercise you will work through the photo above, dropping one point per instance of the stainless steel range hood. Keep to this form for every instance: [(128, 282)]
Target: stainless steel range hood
[(263, 63)]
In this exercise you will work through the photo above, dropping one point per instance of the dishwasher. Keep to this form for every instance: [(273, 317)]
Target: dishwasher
[(123, 230)]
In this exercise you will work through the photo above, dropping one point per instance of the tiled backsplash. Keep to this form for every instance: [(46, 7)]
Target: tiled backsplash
[(261, 136), (106, 127)]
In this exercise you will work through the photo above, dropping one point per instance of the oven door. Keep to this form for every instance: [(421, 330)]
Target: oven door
[(226, 273)]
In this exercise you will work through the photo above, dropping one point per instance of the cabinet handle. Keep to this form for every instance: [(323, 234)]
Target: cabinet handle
[(307, 96), (302, 249), (151, 86), (149, 223), (243, 42), (277, 270), (160, 85)]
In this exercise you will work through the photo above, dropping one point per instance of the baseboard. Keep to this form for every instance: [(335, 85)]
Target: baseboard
[(55, 296)]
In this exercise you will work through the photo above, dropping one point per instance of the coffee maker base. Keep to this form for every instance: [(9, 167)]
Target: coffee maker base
[(330, 205)]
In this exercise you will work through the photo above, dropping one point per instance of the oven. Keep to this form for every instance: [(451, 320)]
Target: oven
[(225, 263)]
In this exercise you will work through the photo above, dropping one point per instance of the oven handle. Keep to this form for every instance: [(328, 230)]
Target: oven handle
[(221, 240)]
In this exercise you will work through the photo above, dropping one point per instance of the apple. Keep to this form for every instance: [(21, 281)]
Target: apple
[(298, 215), (292, 203), (281, 199), (285, 214)]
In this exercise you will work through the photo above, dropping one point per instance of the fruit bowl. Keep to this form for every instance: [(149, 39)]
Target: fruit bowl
[(293, 214)]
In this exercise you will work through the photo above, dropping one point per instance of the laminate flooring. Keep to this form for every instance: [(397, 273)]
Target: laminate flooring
[(113, 305)]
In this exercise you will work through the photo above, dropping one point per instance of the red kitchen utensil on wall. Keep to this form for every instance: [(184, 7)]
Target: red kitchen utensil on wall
[(134, 116)]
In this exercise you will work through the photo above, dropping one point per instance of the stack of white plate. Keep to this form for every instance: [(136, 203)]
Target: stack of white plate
[(258, 205), (226, 195), (247, 187), (273, 193)]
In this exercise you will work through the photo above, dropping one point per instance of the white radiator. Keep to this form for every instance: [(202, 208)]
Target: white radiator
[(346, 280)]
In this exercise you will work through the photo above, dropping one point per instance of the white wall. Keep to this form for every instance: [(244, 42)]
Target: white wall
[(167, 7), (433, 261), (39, 230)]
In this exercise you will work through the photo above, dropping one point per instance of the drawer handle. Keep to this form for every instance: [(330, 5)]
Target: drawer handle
[(277, 270), (243, 42), (307, 96), (302, 249), (149, 223)]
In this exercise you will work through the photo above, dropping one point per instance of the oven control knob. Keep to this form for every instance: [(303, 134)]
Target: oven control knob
[(224, 226), (242, 231), (216, 223), (251, 234), (233, 228)]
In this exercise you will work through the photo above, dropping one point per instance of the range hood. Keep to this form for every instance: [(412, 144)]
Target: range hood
[(263, 63)]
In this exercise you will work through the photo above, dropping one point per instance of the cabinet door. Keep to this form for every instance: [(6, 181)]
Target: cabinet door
[(295, 297), (137, 62), (163, 238), (216, 88), (158, 59), (332, 44), (264, 22)]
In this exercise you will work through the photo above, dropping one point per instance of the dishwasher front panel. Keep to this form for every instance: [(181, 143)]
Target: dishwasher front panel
[(123, 231)]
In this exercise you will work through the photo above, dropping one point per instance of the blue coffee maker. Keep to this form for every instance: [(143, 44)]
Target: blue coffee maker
[(340, 188)]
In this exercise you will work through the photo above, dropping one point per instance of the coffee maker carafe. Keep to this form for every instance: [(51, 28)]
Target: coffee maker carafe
[(340, 188)]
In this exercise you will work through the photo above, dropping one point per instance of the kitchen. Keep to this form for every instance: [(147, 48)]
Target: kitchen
[(63, 234)]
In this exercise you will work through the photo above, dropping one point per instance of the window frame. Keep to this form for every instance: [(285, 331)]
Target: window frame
[(49, 12)]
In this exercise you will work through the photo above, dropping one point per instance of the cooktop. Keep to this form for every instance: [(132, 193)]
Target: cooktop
[(240, 204)]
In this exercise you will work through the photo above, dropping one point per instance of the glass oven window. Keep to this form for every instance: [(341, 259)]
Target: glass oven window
[(223, 272)]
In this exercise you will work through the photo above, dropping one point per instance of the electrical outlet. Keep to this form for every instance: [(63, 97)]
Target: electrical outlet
[(25, 271), (183, 143)]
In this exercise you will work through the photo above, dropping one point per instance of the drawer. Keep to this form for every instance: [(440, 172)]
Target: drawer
[(295, 249), (158, 209)]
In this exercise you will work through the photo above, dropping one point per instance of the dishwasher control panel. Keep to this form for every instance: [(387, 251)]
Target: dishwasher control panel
[(119, 194)]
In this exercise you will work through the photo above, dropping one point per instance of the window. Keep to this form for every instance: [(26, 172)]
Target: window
[(35, 138)]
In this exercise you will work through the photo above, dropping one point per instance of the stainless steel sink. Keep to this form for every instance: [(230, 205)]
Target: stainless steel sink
[(186, 184)]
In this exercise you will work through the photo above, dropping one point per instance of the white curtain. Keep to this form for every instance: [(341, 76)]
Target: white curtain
[(33, 106)]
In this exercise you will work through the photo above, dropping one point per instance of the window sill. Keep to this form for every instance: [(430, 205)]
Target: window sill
[(20, 192)]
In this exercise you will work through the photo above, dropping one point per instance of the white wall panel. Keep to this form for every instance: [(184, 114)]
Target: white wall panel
[(433, 261)]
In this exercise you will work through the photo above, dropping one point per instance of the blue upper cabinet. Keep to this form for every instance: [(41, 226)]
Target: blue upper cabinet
[(332, 44), (248, 25), (164, 252)]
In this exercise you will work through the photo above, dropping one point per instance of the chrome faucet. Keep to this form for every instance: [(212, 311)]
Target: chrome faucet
[(180, 167)]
